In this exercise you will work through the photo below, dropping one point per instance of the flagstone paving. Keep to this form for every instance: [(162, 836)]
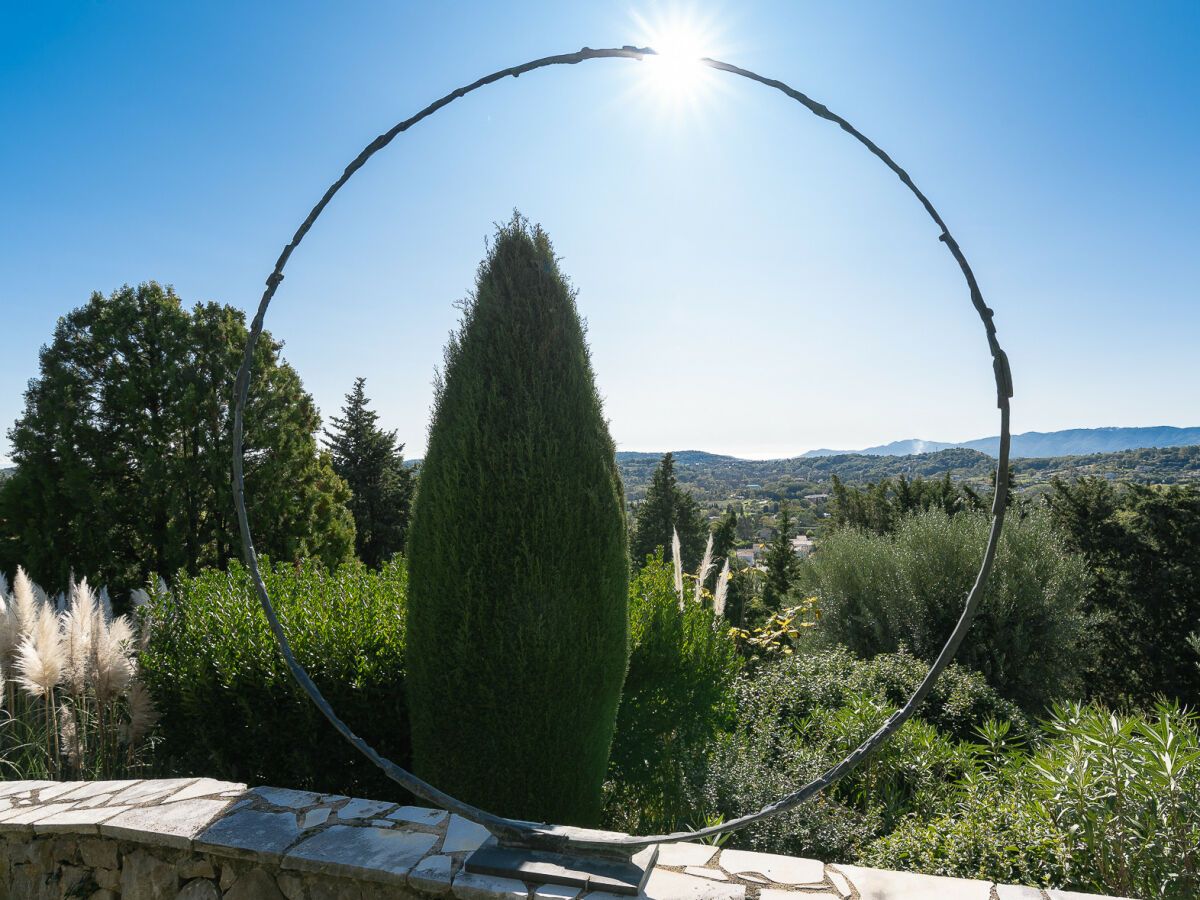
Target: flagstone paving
[(191, 838)]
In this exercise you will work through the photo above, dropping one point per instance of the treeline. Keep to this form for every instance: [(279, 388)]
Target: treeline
[(714, 479), (123, 453)]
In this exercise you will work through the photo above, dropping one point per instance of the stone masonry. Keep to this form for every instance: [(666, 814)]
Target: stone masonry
[(199, 839)]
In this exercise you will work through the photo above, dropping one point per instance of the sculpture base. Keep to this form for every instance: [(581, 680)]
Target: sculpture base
[(575, 870)]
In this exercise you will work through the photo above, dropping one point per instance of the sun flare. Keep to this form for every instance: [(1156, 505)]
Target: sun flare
[(675, 75)]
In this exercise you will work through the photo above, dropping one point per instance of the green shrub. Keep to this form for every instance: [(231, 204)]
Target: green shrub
[(799, 715), (1030, 638), (1105, 803), (519, 628), (678, 694), (997, 831), (230, 708), (798, 685), (747, 769), (1127, 791)]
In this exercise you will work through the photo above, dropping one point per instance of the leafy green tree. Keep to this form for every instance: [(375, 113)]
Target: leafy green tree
[(666, 509), (123, 449), (1143, 546), (518, 572), (368, 459), (782, 562)]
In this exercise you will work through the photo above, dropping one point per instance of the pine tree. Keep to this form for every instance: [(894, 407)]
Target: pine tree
[(781, 561), (518, 623), (371, 463), (666, 509)]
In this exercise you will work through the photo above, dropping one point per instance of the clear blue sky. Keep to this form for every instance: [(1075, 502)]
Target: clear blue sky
[(754, 282)]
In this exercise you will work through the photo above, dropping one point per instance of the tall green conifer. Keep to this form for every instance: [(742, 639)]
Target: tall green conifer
[(371, 463), (667, 509), (518, 624)]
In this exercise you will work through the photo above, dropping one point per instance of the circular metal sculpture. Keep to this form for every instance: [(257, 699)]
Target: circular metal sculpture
[(552, 839)]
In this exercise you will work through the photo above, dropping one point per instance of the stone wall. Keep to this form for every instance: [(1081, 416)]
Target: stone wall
[(199, 839)]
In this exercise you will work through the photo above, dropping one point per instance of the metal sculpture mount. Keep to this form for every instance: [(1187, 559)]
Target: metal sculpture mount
[(618, 863)]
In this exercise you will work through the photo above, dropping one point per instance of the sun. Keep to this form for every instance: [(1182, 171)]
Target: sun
[(674, 76)]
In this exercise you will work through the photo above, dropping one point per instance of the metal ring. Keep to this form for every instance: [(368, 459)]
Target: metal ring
[(557, 837)]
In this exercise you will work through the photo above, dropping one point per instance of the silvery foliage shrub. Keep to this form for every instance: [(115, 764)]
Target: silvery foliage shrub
[(1030, 638)]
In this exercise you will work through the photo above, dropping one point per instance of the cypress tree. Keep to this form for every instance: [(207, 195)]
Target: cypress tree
[(518, 625), (782, 564)]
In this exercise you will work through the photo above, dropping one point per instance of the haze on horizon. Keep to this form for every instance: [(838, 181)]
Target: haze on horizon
[(755, 284)]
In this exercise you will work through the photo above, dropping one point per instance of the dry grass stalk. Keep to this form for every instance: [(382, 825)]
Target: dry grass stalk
[(705, 567), (678, 560), (722, 591)]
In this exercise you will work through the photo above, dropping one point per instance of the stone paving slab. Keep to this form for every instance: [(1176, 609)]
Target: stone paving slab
[(1013, 892), (376, 854), (421, 849), (665, 885), (685, 853), (79, 820), (463, 835), (471, 886), (252, 832), (364, 809), (780, 869), (433, 874), (882, 884), (556, 892), (417, 815), (171, 824)]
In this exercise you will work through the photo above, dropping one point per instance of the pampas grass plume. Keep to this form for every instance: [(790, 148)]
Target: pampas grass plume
[(26, 604), (722, 590), (142, 713), (79, 624), (112, 645), (10, 631), (705, 567), (41, 657), (675, 554)]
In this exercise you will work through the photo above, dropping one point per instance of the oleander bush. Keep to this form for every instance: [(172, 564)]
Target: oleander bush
[(1102, 802), (231, 709), (1126, 791), (1031, 638)]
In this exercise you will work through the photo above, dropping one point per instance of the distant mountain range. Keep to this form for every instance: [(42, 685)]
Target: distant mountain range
[(1071, 442)]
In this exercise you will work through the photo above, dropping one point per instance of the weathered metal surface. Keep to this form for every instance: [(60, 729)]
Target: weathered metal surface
[(602, 845)]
